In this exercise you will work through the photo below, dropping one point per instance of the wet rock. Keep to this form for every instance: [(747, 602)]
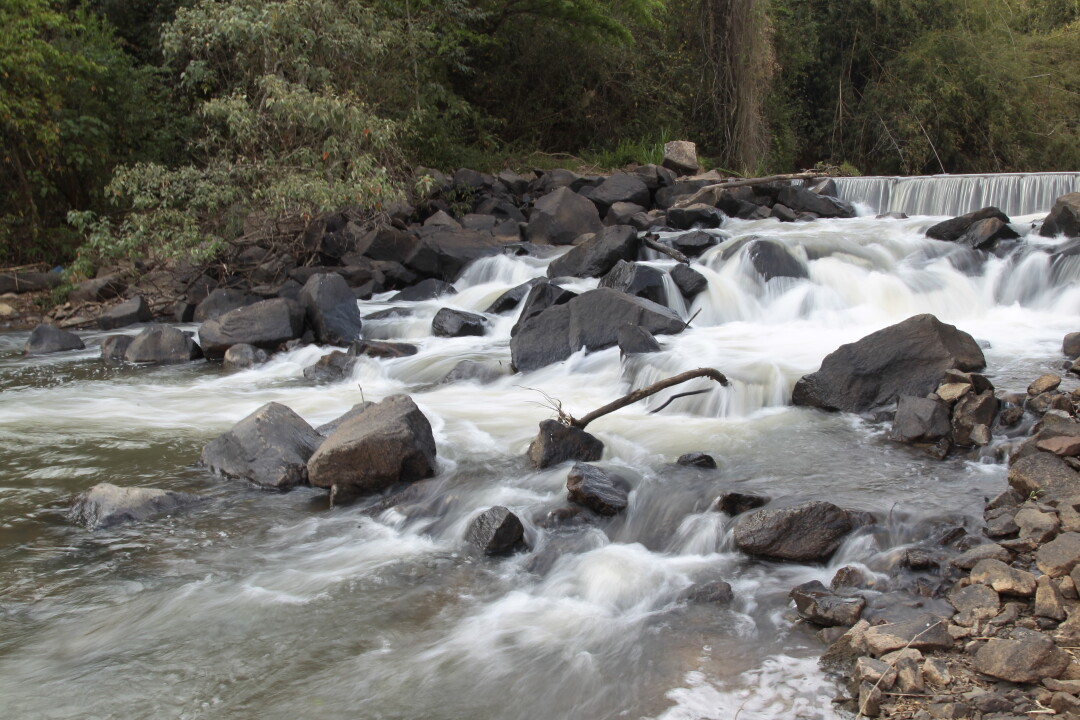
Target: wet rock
[(603, 492), (954, 229), (920, 419), (848, 577), (635, 279), (162, 345), (636, 340), (106, 505), (802, 200), (380, 349), (909, 358), (680, 156), (1045, 475), (1064, 217), (539, 298), (221, 301), (511, 298), (332, 367), (330, 309), (113, 348), (560, 216), (45, 339), (428, 289), (689, 281), (557, 443), (986, 551), (265, 325), (243, 356), (1070, 345), (925, 632), (716, 592), (126, 313), (480, 372), (697, 459), (773, 259), (1027, 657), (1044, 383), (985, 234), (458, 323), (821, 606), (597, 255), (736, 503), (972, 418), (842, 655), (591, 321), (698, 215), (390, 442), (807, 532), (1059, 556), (445, 252), (693, 244), (1048, 600), (270, 447), (496, 531), (1003, 578)]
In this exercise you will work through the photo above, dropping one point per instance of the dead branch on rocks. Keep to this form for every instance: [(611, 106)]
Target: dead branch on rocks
[(645, 392), (653, 242), (709, 193)]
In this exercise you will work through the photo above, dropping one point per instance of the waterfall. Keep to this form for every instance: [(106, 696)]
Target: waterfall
[(1013, 193)]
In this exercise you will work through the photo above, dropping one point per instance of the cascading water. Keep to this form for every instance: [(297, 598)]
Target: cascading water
[(1013, 194), (265, 605)]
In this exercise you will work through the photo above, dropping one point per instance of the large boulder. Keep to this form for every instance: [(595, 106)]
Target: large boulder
[(1064, 217), (803, 200), (330, 309), (955, 228), (598, 254), (557, 443), (1027, 656), (772, 259), (541, 296), (698, 215), (126, 313), (106, 505), (270, 447), (986, 233), (920, 420), (909, 358), (496, 531), (636, 279), (388, 443), (446, 252), (680, 156), (45, 339), (591, 321), (162, 345), (560, 216), (265, 325), (221, 301), (620, 187), (603, 492), (808, 532)]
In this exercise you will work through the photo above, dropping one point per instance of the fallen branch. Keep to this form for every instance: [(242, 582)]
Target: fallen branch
[(709, 194), (645, 392), (651, 241)]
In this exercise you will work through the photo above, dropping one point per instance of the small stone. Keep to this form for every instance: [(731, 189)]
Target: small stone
[(990, 702), (696, 459), (987, 551), (936, 672), (848, 577), (1048, 601), (1067, 587), (496, 531), (973, 603), (869, 700), (921, 632), (1001, 523), (951, 392), (949, 710), (1059, 556), (909, 676), (736, 503), (1044, 383), (875, 672), (1003, 579), (602, 492), (819, 605)]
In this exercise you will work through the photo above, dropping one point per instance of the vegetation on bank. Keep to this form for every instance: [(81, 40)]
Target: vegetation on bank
[(159, 128)]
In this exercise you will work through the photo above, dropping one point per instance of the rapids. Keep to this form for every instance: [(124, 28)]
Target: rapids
[(265, 605)]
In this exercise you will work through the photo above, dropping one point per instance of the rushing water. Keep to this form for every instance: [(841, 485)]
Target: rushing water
[(264, 605)]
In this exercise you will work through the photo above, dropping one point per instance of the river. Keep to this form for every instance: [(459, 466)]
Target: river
[(265, 605)]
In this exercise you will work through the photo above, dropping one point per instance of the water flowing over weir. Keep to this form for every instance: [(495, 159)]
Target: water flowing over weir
[(1012, 193), (265, 605)]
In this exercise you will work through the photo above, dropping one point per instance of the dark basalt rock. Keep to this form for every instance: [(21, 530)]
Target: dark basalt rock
[(599, 254), (736, 503), (540, 297), (638, 280), (716, 592), (909, 358), (330, 309), (106, 505), (772, 259), (332, 367), (446, 252), (802, 200), (45, 339), (693, 244), (162, 345), (113, 348), (1064, 217), (221, 301), (807, 532), (954, 229), (270, 447), (380, 349), (243, 357), (458, 323), (512, 297), (698, 215), (424, 290), (689, 281), (496, 531), (557, 443), (266, 324), (697, 459), (602, 492), (634, 340), (620, 187), (126, 313), (920, 419), (820, 605), (388, 443), (560, 216), (472, 370)]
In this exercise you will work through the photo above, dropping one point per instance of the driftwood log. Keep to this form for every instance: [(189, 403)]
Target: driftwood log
[(653, 242), (641, 394)]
